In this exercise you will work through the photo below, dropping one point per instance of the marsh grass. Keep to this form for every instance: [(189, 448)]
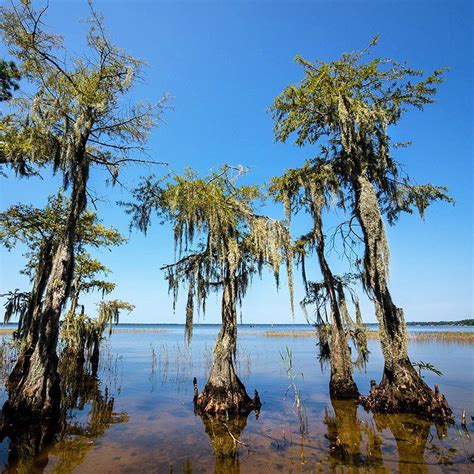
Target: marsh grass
[(139, 330), (299, 408), (441, 336), (173, 364)]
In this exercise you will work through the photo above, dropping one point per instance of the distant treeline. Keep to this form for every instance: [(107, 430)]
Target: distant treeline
[(463, 322)]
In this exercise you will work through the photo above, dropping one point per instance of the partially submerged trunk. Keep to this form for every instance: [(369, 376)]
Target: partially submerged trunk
[(402, 389), (28, 445), (341, 385), (224, 392), (33, 387), (34, 391), (28, 326)]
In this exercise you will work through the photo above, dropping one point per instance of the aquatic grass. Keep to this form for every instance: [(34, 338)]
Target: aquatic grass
[(446, 336), (287, 361), (138, 330)]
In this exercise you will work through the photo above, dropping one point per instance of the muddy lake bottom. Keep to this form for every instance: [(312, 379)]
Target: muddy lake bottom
[(139, 416)]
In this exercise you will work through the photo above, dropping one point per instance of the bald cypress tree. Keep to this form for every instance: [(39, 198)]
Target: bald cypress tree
[(221, 242), (74, 120), (348, 106), (312, 188), (40, 231)]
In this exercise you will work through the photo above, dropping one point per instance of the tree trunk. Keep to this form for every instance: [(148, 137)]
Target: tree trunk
[(33, 389), (28, 327), (35, 392), (402, 389), (341, 385), (224, 392)]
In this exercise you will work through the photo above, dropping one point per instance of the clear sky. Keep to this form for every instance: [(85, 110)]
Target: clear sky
[(224, 62)]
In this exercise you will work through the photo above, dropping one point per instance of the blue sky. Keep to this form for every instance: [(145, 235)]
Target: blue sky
[(224, 62)]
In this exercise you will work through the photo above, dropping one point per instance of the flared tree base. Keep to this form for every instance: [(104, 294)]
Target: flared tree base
[(230, 399), (34, 391), (346, 389), (412, 396)]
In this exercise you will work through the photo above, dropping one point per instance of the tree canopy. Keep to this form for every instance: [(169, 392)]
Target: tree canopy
[(217, 232)]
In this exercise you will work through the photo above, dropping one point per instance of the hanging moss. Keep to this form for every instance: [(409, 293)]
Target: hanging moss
[(220, 243), (348, 106)]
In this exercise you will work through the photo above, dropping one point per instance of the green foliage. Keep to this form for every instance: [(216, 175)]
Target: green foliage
[(9, 77), (79, 109), (40, 230), (85, 272), (109, 312), (31, 226), (16, 304), (351, 103), (427, 366), (82, 333), (217, 233)]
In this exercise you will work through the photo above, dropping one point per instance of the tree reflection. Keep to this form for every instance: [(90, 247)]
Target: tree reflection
[(224, 433), (346, 435), (355, 443), (412, 435), (86, 414)]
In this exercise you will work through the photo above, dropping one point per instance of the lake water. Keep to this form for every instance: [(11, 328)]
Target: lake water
[(140, 418)]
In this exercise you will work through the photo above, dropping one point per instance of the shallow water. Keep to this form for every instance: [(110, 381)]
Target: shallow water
[(140, 418)]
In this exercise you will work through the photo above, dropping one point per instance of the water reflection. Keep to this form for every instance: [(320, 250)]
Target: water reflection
[(163, 434), (64, 443), (359, 444), (224, 433), (352, 443), (413, 437)]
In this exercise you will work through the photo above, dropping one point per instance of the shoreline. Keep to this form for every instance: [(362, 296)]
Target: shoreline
[(458, 336)]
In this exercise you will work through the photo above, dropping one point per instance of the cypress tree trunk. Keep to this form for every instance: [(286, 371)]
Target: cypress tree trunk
[(402, 389), (341, 385), (28, 326), (224, 392), (34, 387)]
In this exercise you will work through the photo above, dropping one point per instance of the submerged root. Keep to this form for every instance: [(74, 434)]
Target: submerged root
[(232, 399), (409, 396)]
